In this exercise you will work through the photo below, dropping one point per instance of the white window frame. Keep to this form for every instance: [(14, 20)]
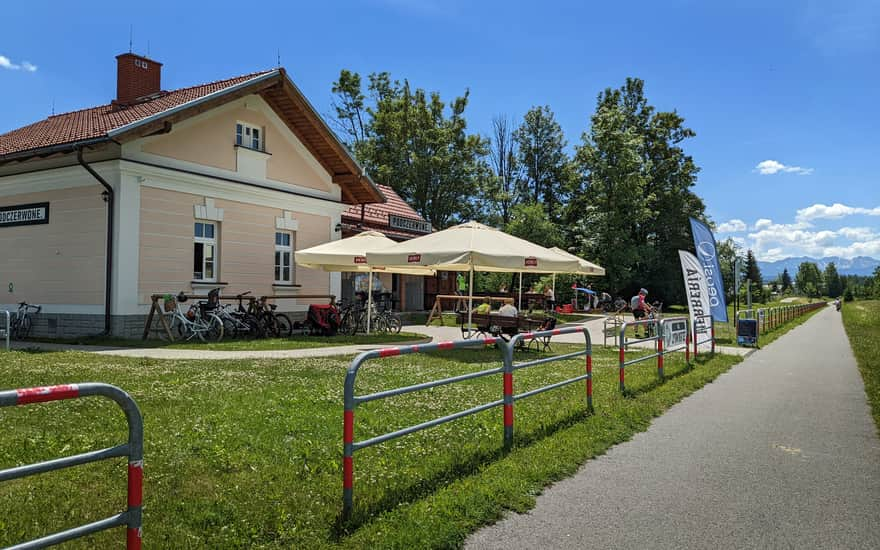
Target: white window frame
[(212, 241), (280, 249), (244, 136)]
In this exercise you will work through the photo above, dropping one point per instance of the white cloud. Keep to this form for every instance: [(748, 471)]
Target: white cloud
[(762, 223), (767, 167), (776, 241), (732, 226), (836, 210), (6, 63)]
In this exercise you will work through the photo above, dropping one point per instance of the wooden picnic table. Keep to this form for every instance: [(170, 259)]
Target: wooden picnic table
[(461, 303), (503, 326)]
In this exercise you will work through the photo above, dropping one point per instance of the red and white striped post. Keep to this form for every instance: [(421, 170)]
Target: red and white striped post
[(660, 357), (589, 381), (687, 346), (134, 534), (712, 332), (508, 410)]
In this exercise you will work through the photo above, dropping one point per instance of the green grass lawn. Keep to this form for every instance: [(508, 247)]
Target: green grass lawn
[(862, 323), (293, 342), (451, 320), (245, 454)]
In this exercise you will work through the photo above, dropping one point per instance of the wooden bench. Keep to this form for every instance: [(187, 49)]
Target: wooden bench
[(503, 326)]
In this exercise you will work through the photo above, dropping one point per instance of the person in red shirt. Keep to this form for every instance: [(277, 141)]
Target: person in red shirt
[(641, 309)]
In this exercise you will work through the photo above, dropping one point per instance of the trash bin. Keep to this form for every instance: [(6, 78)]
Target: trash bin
[(747, 332)]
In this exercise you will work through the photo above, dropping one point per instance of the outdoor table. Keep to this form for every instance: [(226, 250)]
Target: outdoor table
[(461, 303)]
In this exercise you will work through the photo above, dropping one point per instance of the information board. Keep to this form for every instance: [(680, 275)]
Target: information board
[(674, 333)]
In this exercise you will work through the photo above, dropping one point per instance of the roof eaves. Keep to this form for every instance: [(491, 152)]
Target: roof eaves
[(193, 103), (344, 148), (51, 149)]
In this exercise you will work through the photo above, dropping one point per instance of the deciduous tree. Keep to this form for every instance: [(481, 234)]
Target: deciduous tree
[(416, 143)]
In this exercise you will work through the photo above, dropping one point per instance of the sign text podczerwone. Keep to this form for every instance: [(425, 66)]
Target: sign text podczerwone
[(408, 224), (24, 214)]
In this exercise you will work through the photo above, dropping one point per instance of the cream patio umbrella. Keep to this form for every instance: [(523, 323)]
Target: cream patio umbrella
[(586, 267), (473, 247), (350, 255)]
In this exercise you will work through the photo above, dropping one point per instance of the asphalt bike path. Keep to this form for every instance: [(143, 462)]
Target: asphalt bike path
[(779, 452)]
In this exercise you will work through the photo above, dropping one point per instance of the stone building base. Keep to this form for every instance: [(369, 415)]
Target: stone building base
[(75, 325)]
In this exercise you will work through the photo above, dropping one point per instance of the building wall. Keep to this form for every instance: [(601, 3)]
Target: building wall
[(209, 140), (246, 237), (59, 263)]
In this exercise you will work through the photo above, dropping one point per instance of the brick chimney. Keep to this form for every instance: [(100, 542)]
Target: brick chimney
[(136, 77)]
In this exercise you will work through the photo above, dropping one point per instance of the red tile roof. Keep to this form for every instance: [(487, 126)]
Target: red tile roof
[(376, 214), (96, 122)]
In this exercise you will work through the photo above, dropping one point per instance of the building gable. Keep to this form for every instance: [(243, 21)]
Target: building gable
[(209, 140)]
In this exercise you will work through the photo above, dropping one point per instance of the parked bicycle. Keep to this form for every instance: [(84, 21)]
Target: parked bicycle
[(655, 314), (198, 320), (270, 323), (21, 323), (239, 324), (354, 317)]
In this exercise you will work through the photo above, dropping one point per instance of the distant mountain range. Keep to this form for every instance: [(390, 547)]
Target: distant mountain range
[(860, 265)]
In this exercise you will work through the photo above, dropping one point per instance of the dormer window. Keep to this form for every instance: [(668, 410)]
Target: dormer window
[(249, 136)]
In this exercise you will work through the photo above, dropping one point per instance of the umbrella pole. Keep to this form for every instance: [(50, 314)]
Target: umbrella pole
[(519, 307), (470, 299), (369, 300), (554, 288)]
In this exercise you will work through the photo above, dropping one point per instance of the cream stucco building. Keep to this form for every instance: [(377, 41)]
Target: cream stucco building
[(210, 186)]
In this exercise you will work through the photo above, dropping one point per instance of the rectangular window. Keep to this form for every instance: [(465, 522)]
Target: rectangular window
[(249, 136), (283, 258), (205, 252)]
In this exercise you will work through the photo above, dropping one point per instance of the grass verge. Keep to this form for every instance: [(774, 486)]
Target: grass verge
[(243, 454), (862, 323), (293, 342)]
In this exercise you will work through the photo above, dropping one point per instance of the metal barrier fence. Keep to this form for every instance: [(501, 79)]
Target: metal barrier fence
[(772, 317), (659, 337), (611, 326), (8, 327), (133, 449), (696, 336), (506, 369)]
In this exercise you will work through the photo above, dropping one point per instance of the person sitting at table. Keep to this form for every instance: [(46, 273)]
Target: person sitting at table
[(502, 289), (483, 309), (549, 298), (508, 310)]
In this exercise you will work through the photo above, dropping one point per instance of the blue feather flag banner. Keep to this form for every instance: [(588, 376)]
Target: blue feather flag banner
[(707, 254)]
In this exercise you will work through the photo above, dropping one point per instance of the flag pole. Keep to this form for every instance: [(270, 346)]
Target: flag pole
[(369, 300)]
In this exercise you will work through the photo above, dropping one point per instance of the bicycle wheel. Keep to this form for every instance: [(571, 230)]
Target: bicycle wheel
[(348, 323), (230, 327), (394, 322), (23, 328), (285, 327), (255, 329), (378, 324), (214, 329)]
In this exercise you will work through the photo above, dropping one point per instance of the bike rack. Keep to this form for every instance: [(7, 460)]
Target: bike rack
[(8, 328), (612, 323), (133, 449), (506, 370)]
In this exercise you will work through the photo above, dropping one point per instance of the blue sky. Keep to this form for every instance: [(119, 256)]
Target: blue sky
[(782, 95)]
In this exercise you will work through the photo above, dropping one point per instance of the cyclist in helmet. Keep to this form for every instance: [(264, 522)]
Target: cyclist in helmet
[(640, 308)]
